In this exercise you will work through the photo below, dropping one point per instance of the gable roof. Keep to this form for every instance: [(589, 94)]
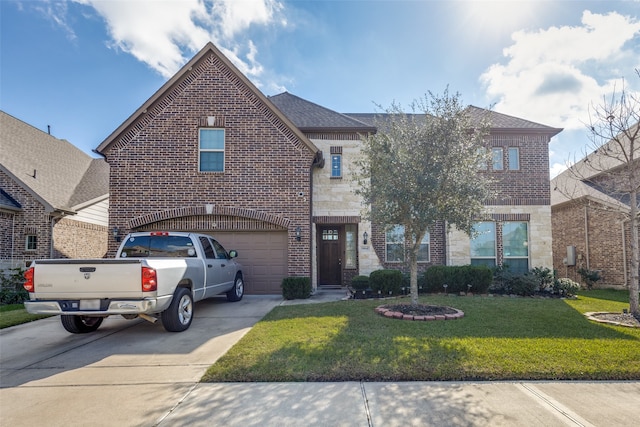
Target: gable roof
[(180, 76), (581, 180), (311, 117), (54, 171), (8, 203)]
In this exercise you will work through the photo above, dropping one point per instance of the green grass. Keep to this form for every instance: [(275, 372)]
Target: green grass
[(498, 339), (16, 314)]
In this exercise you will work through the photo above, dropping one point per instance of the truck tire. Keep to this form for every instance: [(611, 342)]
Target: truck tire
[(80, 324), (236, 293), (178, 316)]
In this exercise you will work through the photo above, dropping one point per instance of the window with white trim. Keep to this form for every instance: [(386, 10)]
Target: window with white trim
[(515, 243), (31, 242), (514, 158), (395, 245), (211, 145), (496, 159), (483, 244), (336, 166), (351, 242)]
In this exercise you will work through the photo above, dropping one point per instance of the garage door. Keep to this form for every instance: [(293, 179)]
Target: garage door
[(263, 255)]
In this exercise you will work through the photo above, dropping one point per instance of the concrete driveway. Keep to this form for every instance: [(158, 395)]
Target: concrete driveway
[(129, 372)]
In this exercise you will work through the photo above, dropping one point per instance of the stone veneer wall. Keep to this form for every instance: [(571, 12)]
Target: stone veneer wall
[(76, 239), (540, 248)]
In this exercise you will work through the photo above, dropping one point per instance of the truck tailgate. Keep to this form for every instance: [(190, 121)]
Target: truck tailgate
[(88, 278)]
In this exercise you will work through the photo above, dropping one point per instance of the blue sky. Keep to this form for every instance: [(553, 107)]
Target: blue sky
[(83, 66)]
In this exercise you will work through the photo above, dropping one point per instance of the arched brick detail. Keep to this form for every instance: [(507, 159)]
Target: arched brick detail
[(202, 210)]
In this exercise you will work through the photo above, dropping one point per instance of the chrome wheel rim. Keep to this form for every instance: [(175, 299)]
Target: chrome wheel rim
[(185, 310)]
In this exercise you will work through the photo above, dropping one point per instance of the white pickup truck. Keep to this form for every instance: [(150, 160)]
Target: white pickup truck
[(154, 275)]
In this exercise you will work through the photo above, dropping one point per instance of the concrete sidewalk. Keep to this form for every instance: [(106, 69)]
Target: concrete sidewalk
[(545, 403), (410, 404)]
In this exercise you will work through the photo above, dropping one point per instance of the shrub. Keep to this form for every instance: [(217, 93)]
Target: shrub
[(458, 278), (388, 282), (296, 287), (589, 277), (566, 286), (544, 277), (11, 290), (360, 283), (523, 284)]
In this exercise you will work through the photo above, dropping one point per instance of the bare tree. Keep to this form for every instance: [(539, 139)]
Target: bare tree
[(612, 169), (422, 167)]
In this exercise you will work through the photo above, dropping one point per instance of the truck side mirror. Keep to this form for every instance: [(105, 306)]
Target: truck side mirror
[(233, 254)]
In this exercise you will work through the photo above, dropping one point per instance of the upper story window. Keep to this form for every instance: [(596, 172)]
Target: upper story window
[(336, 166), (514, 158), (336, 162), (482, 153), (211, 150), (31, 242), (496, 159)]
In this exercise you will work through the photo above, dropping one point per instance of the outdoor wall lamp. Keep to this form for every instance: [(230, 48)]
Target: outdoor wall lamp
[(298, 233), (116, 234), (365, 237)]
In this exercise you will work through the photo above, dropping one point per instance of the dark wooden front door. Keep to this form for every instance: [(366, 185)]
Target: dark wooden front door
[(330, 256)]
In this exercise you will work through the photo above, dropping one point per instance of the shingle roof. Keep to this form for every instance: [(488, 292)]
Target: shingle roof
[(8, 202), (497, 121), (54, 170), (310, 117)]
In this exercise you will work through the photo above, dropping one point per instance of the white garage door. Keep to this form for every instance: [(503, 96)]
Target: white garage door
[(263, 255)]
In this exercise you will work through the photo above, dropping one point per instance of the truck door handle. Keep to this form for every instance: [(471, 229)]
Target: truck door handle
[(223, 265), (209, 265)]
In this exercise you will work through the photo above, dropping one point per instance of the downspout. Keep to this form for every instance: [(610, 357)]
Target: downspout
[(13, 237), (586, 234), (624, 254)]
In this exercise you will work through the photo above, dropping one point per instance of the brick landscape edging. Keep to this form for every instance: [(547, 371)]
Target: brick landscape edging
[(383, 311)]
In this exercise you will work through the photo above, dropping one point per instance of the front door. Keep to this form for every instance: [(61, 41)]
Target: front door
[(330, 256)]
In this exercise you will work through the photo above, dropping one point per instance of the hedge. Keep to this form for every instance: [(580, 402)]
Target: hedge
[(388, 282), (457, 278), (296, 287)]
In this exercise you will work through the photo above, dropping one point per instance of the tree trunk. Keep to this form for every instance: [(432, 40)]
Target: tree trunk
[(413, 262)]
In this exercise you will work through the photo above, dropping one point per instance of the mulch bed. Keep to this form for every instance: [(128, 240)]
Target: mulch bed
[(620, 319), (419, 312)]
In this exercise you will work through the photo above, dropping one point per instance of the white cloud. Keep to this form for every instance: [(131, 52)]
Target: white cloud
[(553, 75), (165, 34)]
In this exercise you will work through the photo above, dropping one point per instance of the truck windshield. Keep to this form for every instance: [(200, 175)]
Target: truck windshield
[(158, 247)]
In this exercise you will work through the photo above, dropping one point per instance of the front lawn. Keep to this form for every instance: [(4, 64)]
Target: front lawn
[(16, 314), (500, 338)]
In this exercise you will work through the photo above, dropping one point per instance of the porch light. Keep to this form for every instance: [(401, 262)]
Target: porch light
[(365, 237), (116, 234), (298, 233)]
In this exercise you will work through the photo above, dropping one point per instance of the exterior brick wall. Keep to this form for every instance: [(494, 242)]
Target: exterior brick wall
[(75, 239), (33, 219), (598, 238), (529, 184), (154, 163)]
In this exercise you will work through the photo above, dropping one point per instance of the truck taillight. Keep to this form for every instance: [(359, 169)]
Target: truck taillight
[(28, 280), (149, 282), (159, 233)]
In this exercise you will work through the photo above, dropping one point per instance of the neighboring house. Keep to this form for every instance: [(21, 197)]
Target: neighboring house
[(54, 198), (271, 178), (590, 229)]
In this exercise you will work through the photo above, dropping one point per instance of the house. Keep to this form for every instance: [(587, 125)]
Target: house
[(54, 198), (270, 177), (590, 228)]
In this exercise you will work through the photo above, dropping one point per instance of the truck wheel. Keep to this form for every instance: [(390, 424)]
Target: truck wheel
[(80, 324), (236, 293), (178, 316)]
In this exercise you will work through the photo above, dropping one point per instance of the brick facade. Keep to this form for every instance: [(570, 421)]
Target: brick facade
[(76, 239), (601, 239), (267, 168)]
